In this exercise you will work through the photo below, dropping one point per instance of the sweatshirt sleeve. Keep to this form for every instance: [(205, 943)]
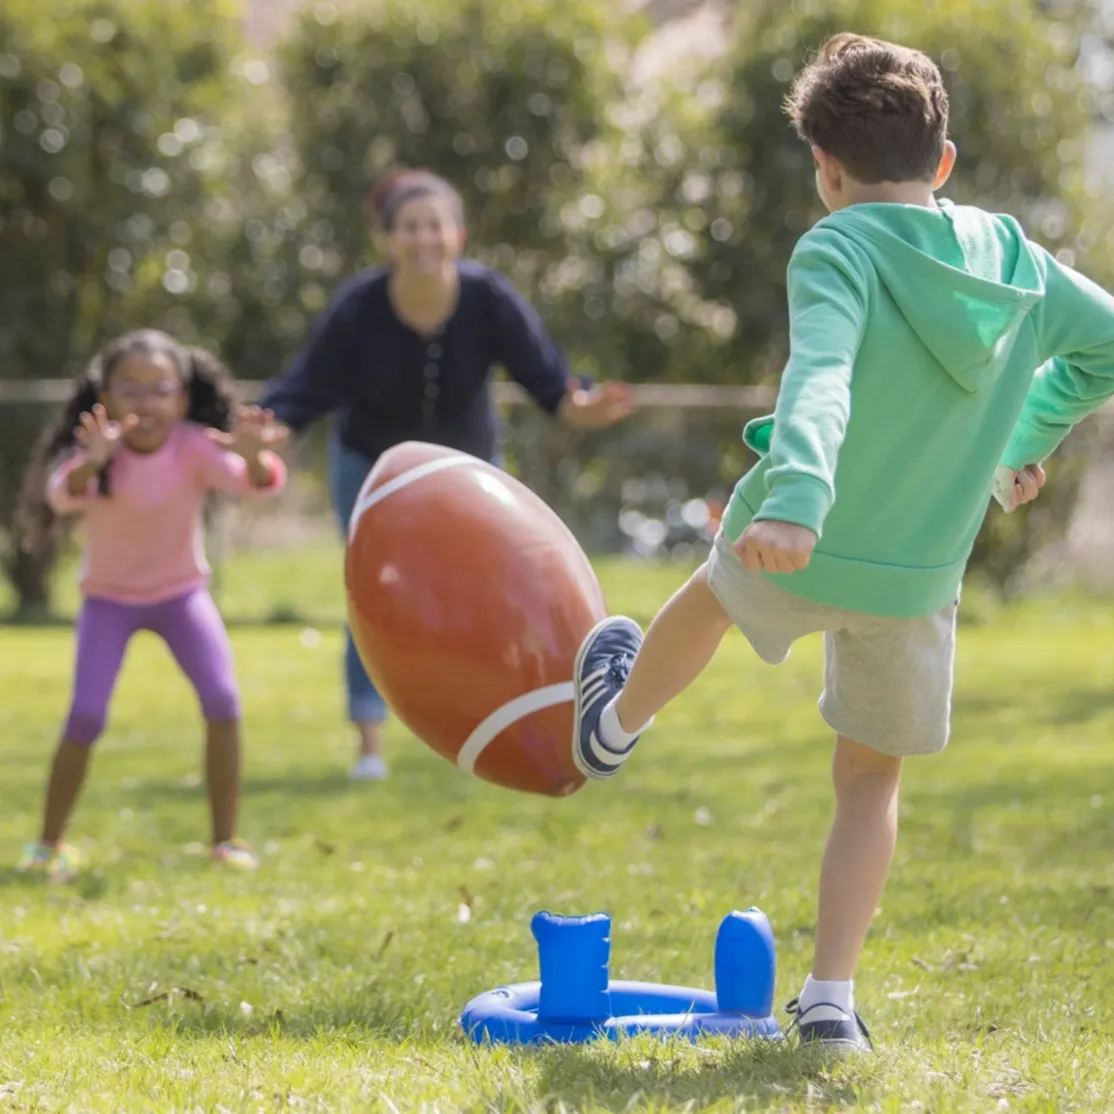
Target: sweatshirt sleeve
[(227, 472), (1075, 327), (524, 347), (318, 381), (58, 495), (827, 311)]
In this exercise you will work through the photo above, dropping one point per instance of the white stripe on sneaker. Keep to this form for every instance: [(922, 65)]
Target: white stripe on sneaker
[(603, 754), (824, 1011), (596, 678), (589, 690), (594, 693)]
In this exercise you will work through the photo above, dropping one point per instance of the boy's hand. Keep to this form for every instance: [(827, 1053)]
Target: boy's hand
[(769, 546), (1014, 489)]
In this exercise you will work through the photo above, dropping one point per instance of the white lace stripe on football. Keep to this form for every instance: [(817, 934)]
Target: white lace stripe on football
[(509, 713), (369, 497)]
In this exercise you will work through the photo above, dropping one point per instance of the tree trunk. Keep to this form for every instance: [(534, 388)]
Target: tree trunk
[(30, 577)]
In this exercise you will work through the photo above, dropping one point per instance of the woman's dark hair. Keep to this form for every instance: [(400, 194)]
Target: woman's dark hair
[(212, 402), (397, 187)]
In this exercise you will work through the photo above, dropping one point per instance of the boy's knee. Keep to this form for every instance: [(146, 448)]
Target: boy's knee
[(700, 584), (84, 727), (855, 763)]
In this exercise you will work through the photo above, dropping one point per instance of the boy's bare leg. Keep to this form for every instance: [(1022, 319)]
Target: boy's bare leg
[(857, 857), (853, 874), (680, 643), (623, 680)]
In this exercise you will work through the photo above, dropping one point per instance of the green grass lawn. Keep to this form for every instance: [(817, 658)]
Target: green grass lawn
[(333, 980)]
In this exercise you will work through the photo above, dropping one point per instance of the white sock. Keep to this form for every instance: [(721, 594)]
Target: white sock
[(839, 994), (612, 734)]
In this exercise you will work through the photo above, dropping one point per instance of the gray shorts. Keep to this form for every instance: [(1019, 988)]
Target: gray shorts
[(887, 682)]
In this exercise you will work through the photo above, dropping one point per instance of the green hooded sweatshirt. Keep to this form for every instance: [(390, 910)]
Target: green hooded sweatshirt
[(915, 335)]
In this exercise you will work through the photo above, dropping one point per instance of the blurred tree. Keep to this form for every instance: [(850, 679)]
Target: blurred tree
[(725, 190), (143, 181), (105, 109), (1019, 112), (149, 174), (520, 104), (507, 99)]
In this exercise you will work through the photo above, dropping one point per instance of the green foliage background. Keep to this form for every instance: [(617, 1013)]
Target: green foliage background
[(153, 171)]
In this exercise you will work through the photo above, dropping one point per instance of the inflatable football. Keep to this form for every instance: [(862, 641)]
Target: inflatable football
[(468, 599)]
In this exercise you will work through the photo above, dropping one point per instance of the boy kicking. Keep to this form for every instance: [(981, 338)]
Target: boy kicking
[(915, 328)]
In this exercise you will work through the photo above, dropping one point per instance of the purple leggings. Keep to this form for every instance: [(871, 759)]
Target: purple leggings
[(191, 627)]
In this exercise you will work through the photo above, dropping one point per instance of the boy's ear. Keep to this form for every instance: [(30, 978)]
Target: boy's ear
[(828, 167), (947, 164)]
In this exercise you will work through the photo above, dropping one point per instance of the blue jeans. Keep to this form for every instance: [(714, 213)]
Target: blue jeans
[(347, 471)]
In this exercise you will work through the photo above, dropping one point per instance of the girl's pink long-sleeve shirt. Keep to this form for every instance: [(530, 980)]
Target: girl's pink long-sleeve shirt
[(144, 542)]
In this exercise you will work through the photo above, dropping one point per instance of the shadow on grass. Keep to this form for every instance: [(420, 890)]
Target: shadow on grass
[(345, 1023), (334, 783), (416, 788), (88, 886), (647, 1071), (757, 1072), (1078, 706), (276, 620), (1060, 708)]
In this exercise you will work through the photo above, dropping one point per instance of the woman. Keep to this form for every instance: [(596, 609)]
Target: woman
[(405, 353)]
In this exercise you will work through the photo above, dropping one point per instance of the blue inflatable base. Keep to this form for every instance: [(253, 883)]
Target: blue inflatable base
[(509, 1015)]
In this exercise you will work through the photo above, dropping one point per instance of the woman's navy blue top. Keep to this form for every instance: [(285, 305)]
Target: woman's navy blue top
[(386, 383)]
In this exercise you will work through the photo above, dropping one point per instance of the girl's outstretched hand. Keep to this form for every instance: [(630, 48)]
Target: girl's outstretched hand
[(99, 437), (253, 431)]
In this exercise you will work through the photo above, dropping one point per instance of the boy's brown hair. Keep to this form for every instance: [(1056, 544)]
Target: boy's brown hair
[(879, 108)]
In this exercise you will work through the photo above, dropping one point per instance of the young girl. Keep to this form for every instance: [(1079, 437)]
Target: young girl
[(151, 430)]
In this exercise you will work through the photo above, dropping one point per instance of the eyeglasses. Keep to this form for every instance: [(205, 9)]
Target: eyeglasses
[(136, 392)]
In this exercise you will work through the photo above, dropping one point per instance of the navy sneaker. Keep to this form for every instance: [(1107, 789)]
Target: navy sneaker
[(603, 664), (830, 1027)]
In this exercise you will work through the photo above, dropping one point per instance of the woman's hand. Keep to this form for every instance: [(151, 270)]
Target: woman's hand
[(597, 407)]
